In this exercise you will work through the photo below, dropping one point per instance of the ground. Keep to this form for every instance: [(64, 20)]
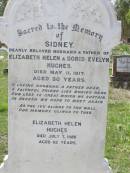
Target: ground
[(118, 128), (3, 110)]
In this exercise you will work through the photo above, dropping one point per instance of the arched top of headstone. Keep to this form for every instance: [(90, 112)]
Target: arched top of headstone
[(29, 9), (3, 30), (96, 13)]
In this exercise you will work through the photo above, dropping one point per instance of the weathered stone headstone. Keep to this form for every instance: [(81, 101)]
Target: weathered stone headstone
[(58, 84), (121, 71), (3, 32), (123, 64)]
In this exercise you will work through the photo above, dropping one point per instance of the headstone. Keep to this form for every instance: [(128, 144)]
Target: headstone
[(121, 71), (123, 64), (58, 84), (3, 31)]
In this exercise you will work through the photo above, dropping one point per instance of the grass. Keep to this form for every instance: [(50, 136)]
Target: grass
[(3, 135), (118, 131), (3, 107), (118, 128)]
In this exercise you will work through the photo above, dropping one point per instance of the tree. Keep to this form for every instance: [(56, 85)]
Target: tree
[(122, 7), (2, 6), (128, 17), (123, 13)]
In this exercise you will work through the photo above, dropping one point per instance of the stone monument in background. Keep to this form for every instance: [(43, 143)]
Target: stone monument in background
[(3, 32), (59, 54)]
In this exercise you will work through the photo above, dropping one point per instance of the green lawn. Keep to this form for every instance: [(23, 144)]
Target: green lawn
[(118, 129), (3, 109), (118, 137)]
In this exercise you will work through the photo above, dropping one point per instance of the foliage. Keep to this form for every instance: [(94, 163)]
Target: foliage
[(121, 49), (128, 17), (122, 8), (2, 6)]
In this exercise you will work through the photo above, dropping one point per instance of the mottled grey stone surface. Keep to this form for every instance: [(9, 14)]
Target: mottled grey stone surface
[(58, 84)]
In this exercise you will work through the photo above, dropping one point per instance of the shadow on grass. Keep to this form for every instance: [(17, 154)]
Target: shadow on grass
[(3, 107)]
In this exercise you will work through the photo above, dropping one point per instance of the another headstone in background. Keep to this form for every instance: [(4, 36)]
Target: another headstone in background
[(3, 33), (58, 84), (121, 71), (3, 43)]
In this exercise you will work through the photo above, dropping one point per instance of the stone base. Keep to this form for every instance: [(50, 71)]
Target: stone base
[(3, 164), (106, 166)]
